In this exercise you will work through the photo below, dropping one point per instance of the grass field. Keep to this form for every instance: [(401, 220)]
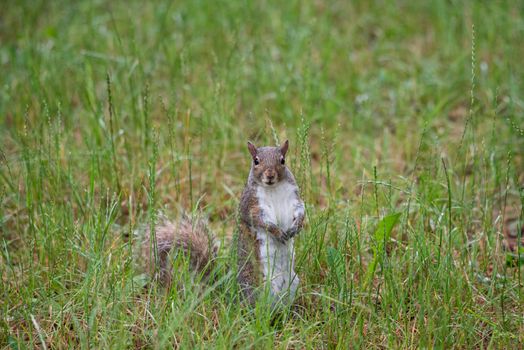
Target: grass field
[(408, 111)]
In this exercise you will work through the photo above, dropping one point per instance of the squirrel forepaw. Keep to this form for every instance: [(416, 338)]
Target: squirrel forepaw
[(292, 232), (283, 239)]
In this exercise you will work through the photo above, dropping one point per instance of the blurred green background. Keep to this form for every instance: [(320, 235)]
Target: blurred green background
[(111, 111)]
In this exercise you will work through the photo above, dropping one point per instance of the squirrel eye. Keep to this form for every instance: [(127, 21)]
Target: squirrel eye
[(256, 161), (282, 161)]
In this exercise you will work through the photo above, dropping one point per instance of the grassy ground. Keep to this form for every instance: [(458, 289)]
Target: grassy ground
[(111, 111)]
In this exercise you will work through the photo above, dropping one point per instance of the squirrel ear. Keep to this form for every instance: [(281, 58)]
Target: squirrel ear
[(284, 147), (252, 149)]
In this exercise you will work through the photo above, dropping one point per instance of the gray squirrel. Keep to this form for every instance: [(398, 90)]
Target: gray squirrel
[(271, 214)]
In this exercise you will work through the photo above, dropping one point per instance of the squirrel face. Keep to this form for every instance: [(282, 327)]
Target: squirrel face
[(269, 163)]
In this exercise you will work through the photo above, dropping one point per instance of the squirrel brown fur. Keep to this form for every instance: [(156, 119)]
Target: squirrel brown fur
[(188, 235), (271, 213)]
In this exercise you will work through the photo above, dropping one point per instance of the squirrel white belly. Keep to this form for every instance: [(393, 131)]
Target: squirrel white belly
[(280, 205), (271, 213)]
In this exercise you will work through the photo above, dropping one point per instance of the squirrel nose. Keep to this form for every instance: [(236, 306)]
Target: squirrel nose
[(270, 175)]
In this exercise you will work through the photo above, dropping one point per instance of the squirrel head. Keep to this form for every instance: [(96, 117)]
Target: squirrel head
[(269, 163)]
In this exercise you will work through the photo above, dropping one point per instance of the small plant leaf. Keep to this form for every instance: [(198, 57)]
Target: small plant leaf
[(383, 231), (516, 258), (381, 235)]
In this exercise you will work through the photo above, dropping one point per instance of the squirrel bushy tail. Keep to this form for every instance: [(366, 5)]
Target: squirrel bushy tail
[(189, 235)]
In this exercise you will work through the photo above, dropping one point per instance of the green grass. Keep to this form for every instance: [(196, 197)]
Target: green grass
[(112, 111)]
